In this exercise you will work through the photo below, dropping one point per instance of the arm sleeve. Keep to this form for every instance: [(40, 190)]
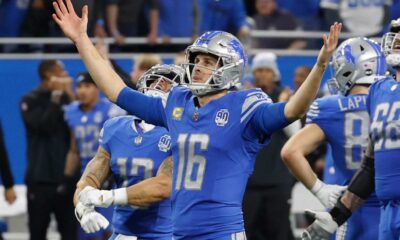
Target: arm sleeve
[(149, 109), (269, 117), (41, 117), (5, 171), (363, 182)]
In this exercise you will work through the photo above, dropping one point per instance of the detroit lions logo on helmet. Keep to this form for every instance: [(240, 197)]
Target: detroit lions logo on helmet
[(165, 143)]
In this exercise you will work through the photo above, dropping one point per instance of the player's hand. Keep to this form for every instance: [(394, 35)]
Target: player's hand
[(73, 26), (90, 196), (56, 84), (330, 43), (9, 195), (90, 220), (322, 228), (328, 194)]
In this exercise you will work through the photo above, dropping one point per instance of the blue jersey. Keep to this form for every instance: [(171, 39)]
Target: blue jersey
[(86, 126), (214, 149), (345, 123), (136, 156), (384, 108)]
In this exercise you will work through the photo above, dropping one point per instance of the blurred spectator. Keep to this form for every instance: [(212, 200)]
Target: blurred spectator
[(123, 19), (306, 12), (300, 75), (38, 21), (11, 15), (223, 15), (178, 18), (266, 201), (141, 64), (180, 58), (48, 143), (7, 180), (270, 17), (5, 172), (363, 18)]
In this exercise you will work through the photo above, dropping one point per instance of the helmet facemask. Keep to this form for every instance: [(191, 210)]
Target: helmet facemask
[(391, 48), (158, 81)]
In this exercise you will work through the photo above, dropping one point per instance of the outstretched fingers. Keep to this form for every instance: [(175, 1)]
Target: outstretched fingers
[(70, 7), (56, 19), (84, 12), (58, 11), (62, 7)]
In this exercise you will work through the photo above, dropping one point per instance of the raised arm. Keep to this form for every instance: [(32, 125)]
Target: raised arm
[(75, 28), (142, 194), (301, 100)]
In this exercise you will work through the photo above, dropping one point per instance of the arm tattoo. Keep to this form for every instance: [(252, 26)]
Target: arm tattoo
[(98, 168), (166, 167)]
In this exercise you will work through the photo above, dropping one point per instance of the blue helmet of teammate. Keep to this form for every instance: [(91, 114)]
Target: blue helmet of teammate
[(231, 58), (356, 61), (391, 44)]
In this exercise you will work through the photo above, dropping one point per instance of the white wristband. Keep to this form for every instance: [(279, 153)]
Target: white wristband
[(120, 196), (317, 186)]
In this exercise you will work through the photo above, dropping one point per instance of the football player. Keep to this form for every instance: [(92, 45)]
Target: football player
[(132, 151), (380, 169), (342, 120)]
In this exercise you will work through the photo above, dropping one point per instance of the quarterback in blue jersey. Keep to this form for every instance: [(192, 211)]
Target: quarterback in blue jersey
[(216, 131), (85, 119), (343, 121), (132, 151), (380, 168)]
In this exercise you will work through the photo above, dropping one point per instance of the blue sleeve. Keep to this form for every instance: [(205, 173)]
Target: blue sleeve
[(149, 109), (269, 118)]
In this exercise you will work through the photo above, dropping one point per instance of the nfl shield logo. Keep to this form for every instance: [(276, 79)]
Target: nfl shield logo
[(165, 143), (222, 117)]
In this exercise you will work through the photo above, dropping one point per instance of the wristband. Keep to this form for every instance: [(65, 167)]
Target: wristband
[(340, 213), (317, 186), (120, 196)]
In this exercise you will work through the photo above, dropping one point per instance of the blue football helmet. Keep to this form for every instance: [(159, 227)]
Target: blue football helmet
[(231, 58), (391, 44), (173, 74), (356, 61)]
